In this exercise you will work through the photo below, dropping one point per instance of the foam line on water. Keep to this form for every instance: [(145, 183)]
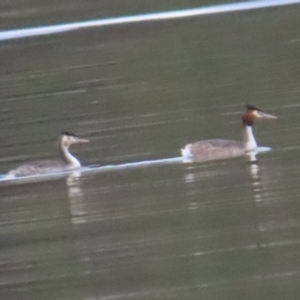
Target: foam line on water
[(144, 163), (175, 14), (93, 169), (263, 149)]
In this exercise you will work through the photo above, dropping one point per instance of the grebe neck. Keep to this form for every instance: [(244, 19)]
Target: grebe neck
[(68, 158), (249, 139)]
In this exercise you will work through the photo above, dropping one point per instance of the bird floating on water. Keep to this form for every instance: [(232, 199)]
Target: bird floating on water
[(69, 161), (221, 149)]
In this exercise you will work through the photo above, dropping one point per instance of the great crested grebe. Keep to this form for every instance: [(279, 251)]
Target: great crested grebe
[(68, 162), (220, 149)]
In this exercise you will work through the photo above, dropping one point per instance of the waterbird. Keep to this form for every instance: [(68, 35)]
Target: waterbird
[(69, 161), (221, 149)]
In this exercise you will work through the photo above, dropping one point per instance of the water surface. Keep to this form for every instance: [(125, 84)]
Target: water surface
[(214, 230)]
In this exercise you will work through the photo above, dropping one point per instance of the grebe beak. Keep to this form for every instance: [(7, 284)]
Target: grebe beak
[(258, 114), (82, 141), (266, 116)]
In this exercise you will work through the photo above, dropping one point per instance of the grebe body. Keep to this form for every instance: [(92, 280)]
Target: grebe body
[(69, 161), (220, 149)]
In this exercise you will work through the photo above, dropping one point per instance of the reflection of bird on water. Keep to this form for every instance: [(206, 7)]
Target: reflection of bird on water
[(69, 162), (219, 148)]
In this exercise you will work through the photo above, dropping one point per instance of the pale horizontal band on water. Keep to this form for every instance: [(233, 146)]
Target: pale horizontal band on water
[(184, 13), (106, 168)]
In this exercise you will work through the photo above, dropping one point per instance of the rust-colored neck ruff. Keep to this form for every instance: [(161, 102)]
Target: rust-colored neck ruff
[(248, 118)]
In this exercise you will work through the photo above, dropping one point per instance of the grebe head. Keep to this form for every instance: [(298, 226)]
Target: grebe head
[(252, 113), (67, 139)]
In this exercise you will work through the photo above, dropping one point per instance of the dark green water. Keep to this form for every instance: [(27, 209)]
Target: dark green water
[(219, 230)]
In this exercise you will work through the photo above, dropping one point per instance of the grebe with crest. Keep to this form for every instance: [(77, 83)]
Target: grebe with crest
[(220, 149), (69, 161)]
